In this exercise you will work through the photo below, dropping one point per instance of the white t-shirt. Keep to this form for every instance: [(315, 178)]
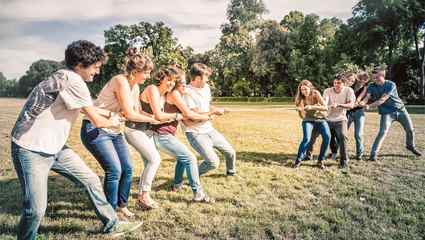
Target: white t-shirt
[(49, 112), (345, 96), (198, 99)]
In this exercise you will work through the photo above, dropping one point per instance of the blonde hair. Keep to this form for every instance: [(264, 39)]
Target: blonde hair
[(362, 75), (348, 75), (136, 61)]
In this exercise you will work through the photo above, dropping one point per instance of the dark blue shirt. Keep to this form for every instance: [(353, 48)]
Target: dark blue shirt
[(393, 103)]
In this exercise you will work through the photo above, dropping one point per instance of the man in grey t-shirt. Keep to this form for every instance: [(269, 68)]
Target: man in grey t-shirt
[(40, 134), (339, 99)]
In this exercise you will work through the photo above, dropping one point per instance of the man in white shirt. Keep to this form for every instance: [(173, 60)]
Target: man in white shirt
[(201, 135), (40, 134)]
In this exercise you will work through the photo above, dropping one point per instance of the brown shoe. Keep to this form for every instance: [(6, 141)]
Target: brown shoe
[(147, 205)]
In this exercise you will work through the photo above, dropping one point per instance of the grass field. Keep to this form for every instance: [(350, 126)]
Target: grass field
[(268, 199)]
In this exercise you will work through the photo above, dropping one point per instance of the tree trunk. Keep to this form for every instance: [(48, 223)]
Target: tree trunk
[(422, 70), (420, 62)]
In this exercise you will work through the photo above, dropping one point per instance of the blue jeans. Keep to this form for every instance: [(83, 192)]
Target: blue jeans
[(185, 159), (205, 143), (111, 151), (401, 116), (358, 118), (323, 128), (33, 169)]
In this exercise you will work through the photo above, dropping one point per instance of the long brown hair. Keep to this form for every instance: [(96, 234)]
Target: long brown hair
[(299, 97)]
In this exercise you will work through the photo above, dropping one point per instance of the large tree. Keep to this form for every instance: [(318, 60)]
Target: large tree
[(159, 43), (271, 60)]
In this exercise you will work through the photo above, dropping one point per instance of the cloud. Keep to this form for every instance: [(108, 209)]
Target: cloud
[(325, 8), (21, 52), (42, 29)]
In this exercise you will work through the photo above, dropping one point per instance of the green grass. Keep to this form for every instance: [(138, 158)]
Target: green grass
[(269, 200)]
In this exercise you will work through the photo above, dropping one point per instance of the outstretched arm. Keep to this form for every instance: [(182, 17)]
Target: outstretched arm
[(177, 100), (154, 98), (380, 101)]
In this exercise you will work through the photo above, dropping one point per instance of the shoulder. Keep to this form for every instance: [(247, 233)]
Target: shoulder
[(189, 91), (119, 80), (327, 91), (151, 90), (390, 83), (69, 76), (349, 90), (371, 86), (69, 79), (174, 94), (207, 89)]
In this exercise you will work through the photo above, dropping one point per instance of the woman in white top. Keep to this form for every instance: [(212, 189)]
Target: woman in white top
[(120, 97)]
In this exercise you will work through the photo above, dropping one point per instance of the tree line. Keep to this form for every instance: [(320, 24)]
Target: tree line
[(258, 57)]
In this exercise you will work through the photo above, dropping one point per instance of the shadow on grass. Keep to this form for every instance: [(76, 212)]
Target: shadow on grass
[(266, 158), (65, 201)]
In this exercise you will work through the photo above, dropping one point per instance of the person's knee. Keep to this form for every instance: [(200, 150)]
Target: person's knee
[(193, 159), (213, 161), (127, 169), (214, 164), (155, 161), (326, 139), (114, 172), (91, 180), (383, 131)]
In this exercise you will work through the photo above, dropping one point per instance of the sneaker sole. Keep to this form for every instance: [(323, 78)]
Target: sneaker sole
[(116, 235)]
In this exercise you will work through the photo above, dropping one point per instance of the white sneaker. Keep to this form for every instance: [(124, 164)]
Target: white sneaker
[(200, 196), (124, 227)]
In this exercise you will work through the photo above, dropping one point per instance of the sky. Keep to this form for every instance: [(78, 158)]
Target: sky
[(32, 30)]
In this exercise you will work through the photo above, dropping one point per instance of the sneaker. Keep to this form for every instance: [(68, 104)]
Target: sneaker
[(296, 164), (230, 174), (321, 165), (308, 157), (200, 196), (372, 158), (124, 211), (359, 157), (344, 168), (414, 151), (122, 228)]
